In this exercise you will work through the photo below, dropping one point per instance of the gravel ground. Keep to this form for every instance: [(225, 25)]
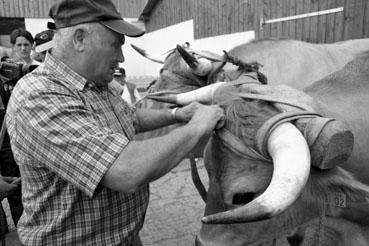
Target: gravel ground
[(175, 209)]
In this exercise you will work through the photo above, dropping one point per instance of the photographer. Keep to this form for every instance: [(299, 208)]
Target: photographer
[(10, 73)]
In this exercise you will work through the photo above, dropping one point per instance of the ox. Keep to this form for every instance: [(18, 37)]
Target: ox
[(291, 62), (332, 206), (284, 61), (300, 64), (251, 201)]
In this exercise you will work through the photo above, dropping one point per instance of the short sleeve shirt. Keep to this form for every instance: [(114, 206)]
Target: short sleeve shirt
[(65, 133)]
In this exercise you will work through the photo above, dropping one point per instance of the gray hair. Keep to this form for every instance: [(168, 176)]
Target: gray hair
[(63, 37)]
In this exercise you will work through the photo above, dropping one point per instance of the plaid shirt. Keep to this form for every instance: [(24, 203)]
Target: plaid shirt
[(65, 134)]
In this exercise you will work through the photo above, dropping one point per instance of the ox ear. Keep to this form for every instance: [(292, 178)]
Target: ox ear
[(147, 55), (200, 67)]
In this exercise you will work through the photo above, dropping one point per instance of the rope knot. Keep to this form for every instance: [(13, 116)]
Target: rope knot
[(246, 67)]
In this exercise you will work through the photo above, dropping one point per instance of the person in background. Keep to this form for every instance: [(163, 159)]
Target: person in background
[(129, 91), (85, 181), (22, 42), (43, 43), (9, 172)]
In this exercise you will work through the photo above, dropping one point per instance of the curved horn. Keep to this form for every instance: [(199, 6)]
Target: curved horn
[(147, 55), (291, 161), (204, 95), (200, 66)]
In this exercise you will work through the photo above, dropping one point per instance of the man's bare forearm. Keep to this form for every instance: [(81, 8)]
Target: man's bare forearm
[(144, 161), (150, 119)]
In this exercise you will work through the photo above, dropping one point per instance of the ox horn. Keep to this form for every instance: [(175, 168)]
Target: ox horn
[(147, 55), (201, 66), (203, 95), (291, 161)]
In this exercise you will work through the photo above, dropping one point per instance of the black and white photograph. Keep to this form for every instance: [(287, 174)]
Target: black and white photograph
[(184, 122)]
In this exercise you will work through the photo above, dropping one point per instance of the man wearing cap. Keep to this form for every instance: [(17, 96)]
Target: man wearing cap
[(43, 43), (84, 180), (128, 90)]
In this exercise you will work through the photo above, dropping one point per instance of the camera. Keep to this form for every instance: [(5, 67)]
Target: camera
[(10, 73), (14, 71)]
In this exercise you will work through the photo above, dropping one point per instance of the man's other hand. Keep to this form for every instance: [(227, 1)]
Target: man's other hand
[(8, 185)]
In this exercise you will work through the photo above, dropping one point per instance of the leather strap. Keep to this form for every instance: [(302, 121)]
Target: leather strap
[(265, 130), (237, 146), (312, 131), (274, 99)]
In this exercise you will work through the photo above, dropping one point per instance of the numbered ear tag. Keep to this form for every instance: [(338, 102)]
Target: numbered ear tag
[(339, 200)]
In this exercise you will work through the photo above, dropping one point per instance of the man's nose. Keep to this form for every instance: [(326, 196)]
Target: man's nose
[(120, 56)]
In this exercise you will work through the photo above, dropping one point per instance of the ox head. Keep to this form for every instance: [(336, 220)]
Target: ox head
[(254, 197), (185, 69), (244, 185)]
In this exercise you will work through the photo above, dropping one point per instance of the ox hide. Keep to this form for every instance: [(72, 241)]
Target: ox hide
[(333, 207), (297, 63)]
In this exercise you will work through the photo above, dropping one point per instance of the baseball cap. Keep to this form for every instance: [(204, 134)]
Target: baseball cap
[(44, 40), (68, 13)]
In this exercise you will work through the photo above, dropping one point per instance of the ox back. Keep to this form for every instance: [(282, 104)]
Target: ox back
[(344, 95), (297, 63)]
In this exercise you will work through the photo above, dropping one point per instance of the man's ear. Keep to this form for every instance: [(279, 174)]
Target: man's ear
[(79, 39)]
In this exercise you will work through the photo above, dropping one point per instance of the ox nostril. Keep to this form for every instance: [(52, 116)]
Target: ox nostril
[(243, 198)]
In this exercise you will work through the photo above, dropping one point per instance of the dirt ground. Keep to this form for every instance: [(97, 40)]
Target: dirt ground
[(175, 209)]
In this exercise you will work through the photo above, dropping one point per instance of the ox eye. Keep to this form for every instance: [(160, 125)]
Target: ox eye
[(243, 198)]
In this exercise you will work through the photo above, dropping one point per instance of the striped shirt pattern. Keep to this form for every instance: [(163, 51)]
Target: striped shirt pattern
[(65, 133)]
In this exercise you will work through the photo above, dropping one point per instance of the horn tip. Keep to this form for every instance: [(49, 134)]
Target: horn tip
[(214, 219), (205, 220)]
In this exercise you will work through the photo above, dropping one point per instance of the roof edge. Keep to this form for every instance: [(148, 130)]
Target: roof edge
[(145, 15)]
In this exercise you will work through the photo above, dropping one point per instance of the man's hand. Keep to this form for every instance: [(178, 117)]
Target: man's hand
[(203, 117), (8, 185), (186, 113)]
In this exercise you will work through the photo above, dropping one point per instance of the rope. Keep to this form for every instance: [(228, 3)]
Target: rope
[(246, 67)]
